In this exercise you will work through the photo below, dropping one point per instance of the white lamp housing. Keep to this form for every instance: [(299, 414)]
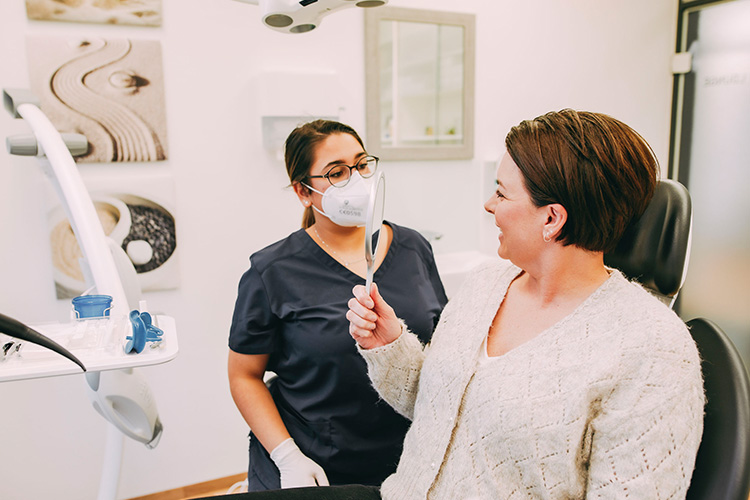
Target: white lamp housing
[(301, 16)]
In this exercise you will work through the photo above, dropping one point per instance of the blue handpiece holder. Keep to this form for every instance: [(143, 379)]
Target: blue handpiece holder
[(138, 341), (143, 331)]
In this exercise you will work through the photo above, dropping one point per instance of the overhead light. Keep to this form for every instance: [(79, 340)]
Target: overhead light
[(301, 16)]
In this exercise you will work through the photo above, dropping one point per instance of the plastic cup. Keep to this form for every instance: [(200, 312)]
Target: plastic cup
[(92, 306)]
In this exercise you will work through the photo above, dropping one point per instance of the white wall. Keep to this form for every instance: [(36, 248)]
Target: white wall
[(532, 56)]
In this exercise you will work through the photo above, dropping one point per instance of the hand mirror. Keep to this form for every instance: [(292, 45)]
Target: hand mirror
[(374, 222)]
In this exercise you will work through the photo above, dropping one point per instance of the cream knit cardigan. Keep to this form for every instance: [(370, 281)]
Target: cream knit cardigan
[(607, 403)]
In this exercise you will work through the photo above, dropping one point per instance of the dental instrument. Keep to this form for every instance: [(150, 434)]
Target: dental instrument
[(15, 328)]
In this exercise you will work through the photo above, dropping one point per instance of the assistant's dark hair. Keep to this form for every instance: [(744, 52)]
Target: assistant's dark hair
[(601, 170), (299, 152)]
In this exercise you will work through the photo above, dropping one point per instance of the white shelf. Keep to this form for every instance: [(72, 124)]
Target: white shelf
[(39, 362)]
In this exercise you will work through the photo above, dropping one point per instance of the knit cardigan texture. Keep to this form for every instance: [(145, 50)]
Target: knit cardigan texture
[(607, 403)]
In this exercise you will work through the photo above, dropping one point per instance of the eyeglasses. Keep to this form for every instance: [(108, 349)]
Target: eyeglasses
[(339, 175)]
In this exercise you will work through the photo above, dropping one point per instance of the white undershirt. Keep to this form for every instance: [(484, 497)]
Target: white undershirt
[(484, 356)]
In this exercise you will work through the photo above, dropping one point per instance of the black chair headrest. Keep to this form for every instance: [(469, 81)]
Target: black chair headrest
[(654, 250)]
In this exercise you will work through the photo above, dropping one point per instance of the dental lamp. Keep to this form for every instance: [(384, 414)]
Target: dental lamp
[(301, 16), (121, 396)]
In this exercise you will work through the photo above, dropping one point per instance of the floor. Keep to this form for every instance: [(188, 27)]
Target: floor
[(212, 488)]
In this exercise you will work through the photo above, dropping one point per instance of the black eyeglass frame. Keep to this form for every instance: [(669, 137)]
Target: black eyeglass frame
[(365, 159)]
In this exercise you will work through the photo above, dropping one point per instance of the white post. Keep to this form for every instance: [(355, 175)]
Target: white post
[(110, 479)]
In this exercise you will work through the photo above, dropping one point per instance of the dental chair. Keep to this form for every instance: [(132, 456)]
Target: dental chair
[(655, 250), (722, 467)]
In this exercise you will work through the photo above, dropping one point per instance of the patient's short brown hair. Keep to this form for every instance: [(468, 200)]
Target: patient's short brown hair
[(601, 170)]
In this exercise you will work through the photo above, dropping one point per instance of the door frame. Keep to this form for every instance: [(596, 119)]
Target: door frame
[(683, 91)]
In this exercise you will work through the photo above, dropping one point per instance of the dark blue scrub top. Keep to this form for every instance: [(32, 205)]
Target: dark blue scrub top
[(292, 304)]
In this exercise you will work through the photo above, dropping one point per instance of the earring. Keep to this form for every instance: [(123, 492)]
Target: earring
[(546, 236), (306, 203)]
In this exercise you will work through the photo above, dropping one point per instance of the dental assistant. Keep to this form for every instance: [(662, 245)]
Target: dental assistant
[(320, 421)]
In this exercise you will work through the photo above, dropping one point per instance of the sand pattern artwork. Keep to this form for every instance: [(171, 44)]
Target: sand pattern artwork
[(141, 227), (130, 12), (110, 90), (66, 254)]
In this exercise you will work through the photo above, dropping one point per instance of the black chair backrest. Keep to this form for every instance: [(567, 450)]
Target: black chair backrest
[(722, 468), (655, 250)]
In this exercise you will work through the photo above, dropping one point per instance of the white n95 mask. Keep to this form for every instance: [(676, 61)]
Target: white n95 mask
[(347, 205)]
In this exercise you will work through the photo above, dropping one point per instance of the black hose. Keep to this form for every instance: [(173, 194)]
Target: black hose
[(16, 329)]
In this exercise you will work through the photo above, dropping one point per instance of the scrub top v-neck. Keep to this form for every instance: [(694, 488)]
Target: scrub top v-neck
[(291, 305), (344, 271)]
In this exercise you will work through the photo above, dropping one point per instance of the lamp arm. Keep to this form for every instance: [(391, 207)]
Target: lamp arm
[(62, 171)]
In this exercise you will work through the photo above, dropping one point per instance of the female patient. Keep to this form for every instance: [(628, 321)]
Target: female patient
[(322, 421), (549, 375)]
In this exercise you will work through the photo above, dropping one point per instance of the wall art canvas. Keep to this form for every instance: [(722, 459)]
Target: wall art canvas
[(137, 213), (132, 12), (110, 90)]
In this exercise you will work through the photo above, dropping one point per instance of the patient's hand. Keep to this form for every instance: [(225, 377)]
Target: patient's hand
[(372, 322)]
